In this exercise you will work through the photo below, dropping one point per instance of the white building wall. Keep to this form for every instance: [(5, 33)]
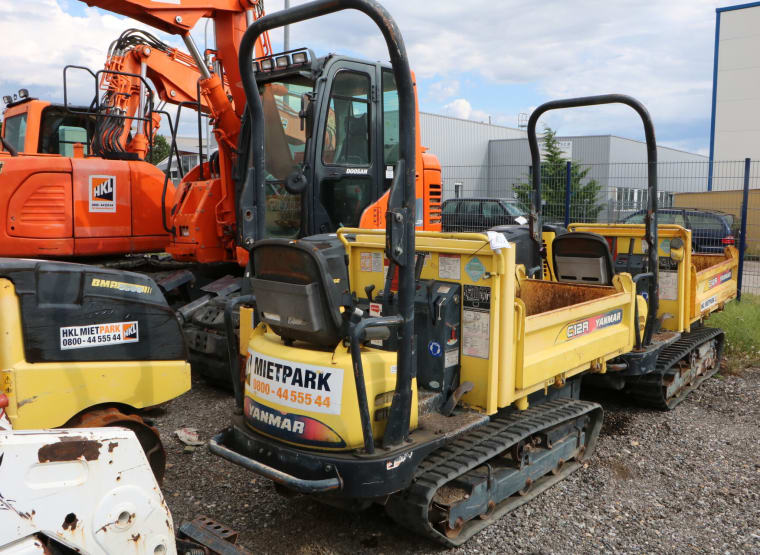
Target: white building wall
[(462, 148), (736, 95)]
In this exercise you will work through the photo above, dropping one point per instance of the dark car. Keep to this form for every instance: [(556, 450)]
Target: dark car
[(711, 231), (479, 214)]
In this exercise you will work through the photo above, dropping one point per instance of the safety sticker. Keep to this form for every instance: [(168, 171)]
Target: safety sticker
[(451, 358), (434, 348), (668, 285), (294, 384), (99, 335), (449, 266), (376, 310), (475, 269), (102, 193), (476, 321), (371, 261)]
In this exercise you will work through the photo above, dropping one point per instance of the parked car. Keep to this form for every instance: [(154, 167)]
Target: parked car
[(479, 214), (711, 230)]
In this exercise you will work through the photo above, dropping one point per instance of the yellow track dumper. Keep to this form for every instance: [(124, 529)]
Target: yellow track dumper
[(676, 352), (423, 371)]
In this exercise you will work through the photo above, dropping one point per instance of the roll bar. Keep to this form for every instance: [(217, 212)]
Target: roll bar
[(401, 204), (650, 218)]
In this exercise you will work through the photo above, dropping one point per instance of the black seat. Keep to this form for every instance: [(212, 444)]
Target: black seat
[(583, 258), (300, 287), (355, 147)]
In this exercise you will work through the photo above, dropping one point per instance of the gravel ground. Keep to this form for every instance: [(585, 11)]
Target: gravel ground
[(687, 480)]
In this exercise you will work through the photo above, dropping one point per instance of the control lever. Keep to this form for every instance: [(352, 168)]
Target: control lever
[(452, 401), (368, 290)]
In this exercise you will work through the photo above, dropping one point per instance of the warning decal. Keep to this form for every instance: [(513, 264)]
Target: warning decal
[(99, 335), (476, 321), (102, 193)]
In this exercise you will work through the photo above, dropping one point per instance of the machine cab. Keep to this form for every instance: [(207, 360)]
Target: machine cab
[(331, 122), (33, 126)]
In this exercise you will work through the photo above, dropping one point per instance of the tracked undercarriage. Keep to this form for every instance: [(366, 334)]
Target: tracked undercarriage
[(464, 486), (681, 367)]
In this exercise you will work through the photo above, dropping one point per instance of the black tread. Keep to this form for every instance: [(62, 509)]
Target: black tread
[(410, 508), (649, 389)]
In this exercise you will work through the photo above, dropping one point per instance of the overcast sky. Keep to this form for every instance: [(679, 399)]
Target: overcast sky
[(473, 59)]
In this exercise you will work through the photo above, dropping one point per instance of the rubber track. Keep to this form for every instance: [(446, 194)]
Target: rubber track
[(649, 390), (410, 508)]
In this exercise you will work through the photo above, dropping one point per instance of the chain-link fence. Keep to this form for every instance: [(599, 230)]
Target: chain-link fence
[(718, 202)]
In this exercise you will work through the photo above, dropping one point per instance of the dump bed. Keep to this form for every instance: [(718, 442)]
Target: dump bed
[(713, 282), (691, 288), (518, 335)]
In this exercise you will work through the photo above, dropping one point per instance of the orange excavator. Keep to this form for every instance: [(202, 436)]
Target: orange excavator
[(74, 180), (332, 143)]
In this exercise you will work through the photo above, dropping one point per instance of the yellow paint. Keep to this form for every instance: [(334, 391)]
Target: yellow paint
[(47, 395), (693, 287), (523, 352), (246, 328), (379, 376)]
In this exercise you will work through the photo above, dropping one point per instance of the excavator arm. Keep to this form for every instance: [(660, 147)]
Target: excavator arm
[(231, 18), (173, 73)]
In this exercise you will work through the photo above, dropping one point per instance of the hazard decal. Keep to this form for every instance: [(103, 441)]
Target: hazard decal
[(99, 335), (102, 193)]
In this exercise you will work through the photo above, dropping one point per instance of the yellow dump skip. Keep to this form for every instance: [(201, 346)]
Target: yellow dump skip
[(700, 283), (518, 335)]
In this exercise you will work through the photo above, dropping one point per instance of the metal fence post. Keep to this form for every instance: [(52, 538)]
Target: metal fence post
[(743, 232), (568, 180)]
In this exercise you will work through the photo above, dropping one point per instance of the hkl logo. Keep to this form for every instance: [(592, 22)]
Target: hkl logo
[(129, 331), (102, 193), (102, 188)]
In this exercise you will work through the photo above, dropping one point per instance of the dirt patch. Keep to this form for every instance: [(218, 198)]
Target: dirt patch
[(543, 296), (705, 261)]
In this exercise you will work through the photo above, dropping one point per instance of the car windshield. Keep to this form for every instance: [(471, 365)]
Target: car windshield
[(513, 210), (285, 149)]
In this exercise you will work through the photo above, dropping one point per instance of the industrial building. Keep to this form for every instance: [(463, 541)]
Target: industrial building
[(480, 159), (735, 127)]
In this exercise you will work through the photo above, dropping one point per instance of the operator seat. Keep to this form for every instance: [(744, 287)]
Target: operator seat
[(300, 287), (581, 257), (354, 149)]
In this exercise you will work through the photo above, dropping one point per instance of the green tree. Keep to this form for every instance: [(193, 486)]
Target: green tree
[(161, 149), (584, 202)]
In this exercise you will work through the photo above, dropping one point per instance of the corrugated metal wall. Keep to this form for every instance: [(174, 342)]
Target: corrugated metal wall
[(510, 161), (462, 148)]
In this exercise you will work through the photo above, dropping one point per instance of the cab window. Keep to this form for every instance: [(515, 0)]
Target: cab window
[(346, 135), (286, 143), (15, 131), (390, 120), (61, 130)]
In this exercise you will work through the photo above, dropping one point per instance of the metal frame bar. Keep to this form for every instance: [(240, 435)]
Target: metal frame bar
[(650, 218), (401, 204)]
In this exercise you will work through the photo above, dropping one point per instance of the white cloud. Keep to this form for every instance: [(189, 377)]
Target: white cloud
[(443, 90), (660, 52), (461, 108)]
